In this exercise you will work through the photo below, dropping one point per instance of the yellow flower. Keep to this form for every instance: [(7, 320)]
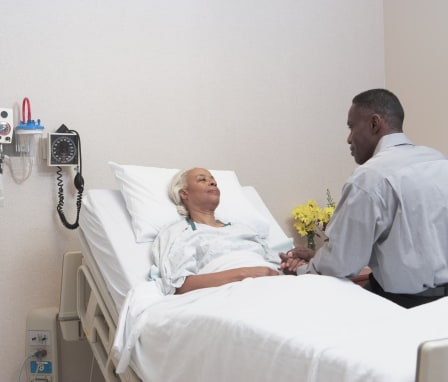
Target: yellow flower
[(306, 217), (327, 213), (309, 216)]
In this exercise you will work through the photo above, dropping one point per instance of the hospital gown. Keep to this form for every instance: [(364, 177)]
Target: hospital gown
[(186, 248)]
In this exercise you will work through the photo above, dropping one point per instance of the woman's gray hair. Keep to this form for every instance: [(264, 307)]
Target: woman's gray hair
[(178, 182)]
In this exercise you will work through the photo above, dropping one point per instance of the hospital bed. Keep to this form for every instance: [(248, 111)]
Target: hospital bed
[(286, 328)]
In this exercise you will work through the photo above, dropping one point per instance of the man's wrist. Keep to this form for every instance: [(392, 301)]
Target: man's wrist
[(302, 269)]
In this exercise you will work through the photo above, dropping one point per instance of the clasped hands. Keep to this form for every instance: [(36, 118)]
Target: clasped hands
[(295, 258)]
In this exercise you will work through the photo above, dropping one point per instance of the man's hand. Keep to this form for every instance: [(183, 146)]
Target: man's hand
[(295, 258)]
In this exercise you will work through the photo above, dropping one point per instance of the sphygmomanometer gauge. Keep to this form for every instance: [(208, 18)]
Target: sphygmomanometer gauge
[(63, 149)]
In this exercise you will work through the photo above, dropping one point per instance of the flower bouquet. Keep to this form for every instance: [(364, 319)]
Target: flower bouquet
[(309, 218)]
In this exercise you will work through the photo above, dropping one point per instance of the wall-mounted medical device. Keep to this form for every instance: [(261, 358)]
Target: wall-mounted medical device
[(64, 149), (28, 133), (26, 138), (6, 134), (42, 345), (6, 125)]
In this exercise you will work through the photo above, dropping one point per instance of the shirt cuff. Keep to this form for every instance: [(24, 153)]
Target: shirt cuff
[(303, 269)]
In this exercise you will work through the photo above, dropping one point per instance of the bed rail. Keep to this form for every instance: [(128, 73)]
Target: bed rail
[(431, 361), (98, 326)]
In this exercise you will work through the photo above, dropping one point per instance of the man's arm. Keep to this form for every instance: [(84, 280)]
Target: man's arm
[(351, 232)]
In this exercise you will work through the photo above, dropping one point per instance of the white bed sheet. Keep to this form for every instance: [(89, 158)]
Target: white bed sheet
[(286, 328), (106, 226)]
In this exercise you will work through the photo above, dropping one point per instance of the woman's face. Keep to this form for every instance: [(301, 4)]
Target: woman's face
[(202, 190)]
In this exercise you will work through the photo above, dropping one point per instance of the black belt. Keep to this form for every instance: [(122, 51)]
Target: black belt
[(439, 291)]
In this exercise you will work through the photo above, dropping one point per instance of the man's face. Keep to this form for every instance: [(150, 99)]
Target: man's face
[(362, 138)]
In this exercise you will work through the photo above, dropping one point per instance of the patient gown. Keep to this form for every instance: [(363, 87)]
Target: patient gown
[(186, 248)]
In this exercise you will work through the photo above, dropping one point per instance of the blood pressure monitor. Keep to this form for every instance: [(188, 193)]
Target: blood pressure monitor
[(63, 149)]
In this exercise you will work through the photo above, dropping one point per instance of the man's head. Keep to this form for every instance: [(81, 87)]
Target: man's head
[(373, 114)]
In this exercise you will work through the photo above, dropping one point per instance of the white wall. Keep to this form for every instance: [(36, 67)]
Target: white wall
[(416, 52), (261, 87)]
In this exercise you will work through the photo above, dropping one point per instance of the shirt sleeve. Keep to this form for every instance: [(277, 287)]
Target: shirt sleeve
[(352, 232), (174, 257)]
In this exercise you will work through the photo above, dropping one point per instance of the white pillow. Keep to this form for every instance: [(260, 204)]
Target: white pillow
[(145, 191)]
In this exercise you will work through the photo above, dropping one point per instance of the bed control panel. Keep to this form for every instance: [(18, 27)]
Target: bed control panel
[(41, 345)]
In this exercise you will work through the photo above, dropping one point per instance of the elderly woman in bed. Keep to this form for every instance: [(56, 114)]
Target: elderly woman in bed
[(201, 251)]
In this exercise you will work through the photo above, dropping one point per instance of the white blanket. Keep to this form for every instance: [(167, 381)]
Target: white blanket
[(307, 328)]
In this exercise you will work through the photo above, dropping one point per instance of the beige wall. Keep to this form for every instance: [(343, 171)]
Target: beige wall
[(416, 51), (258, 86)]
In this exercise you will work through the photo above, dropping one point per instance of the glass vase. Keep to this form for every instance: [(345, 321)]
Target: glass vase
[(310, 243)]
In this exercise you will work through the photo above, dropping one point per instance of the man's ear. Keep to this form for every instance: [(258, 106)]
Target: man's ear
[(376, 122)]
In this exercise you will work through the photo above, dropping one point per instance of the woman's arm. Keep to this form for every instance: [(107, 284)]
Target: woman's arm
[(224, 277)]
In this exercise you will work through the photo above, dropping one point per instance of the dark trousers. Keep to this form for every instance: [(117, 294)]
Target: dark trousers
[(405, 300)]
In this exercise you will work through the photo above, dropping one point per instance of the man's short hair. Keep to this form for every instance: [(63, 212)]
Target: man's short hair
[(384, 103)]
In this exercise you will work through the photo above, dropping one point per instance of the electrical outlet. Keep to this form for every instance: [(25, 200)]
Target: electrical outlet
[(39, 337)]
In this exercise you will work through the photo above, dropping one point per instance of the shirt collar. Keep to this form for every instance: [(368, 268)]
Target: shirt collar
[(390, 140)]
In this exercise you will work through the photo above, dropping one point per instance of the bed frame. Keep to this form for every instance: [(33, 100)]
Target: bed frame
[(87, 311)]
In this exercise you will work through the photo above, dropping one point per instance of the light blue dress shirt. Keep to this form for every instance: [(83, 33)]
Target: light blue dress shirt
[(393, 217)]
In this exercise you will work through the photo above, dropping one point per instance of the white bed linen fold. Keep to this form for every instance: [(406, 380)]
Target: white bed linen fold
[(307, 328), (106, 226), (137, 302), (144, 295)]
